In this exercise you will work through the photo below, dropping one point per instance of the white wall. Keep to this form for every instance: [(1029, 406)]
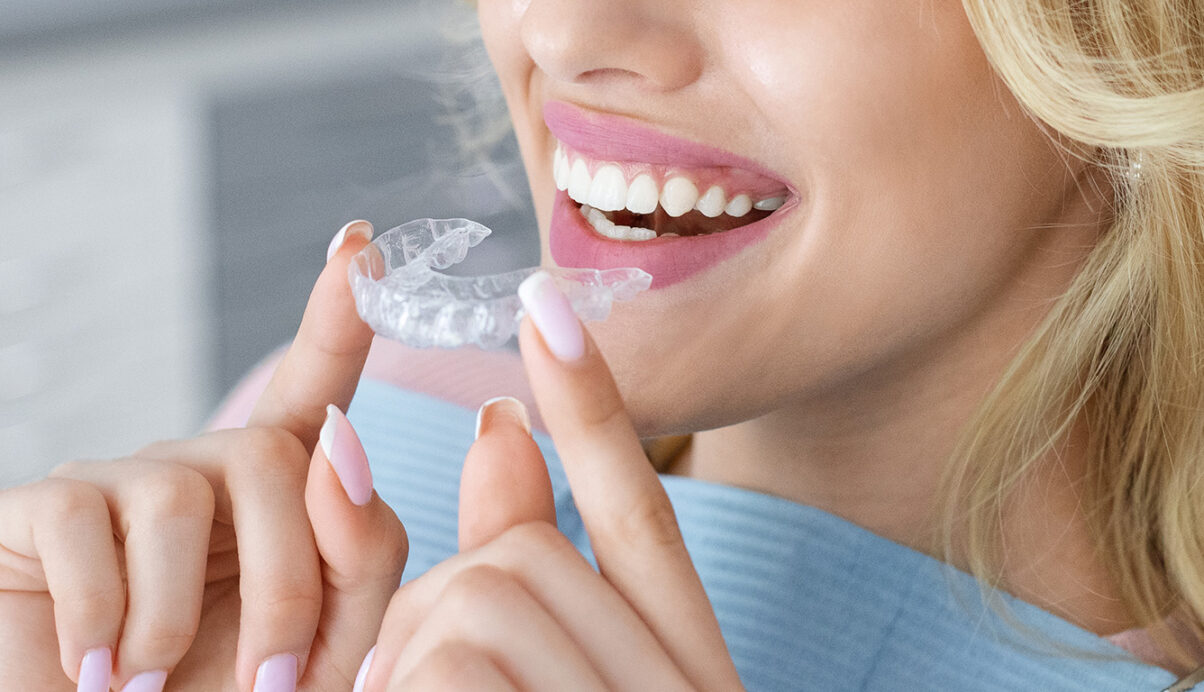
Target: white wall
[(103, 244)]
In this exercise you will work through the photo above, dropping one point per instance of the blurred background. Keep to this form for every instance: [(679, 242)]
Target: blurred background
[(171, 172)]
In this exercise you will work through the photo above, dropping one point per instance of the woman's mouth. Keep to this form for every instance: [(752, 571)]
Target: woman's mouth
[(633, 196), (643, 201)]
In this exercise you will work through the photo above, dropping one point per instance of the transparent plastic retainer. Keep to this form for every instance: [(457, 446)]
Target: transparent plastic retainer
[(400, 293)]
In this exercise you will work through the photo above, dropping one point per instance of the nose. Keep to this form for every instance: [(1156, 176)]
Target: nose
[(641, 44)]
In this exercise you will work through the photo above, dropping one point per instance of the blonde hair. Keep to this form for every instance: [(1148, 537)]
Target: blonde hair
[(1122, 352)]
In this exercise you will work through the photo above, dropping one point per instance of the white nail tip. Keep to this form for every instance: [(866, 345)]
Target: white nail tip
[(326, 434)]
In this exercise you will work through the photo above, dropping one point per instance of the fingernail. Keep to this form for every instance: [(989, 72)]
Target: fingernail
[(346, 455), (150, 681), (504, 406), (359, 227), (96, 671), (362, 676), (553, 316), (277, 674)]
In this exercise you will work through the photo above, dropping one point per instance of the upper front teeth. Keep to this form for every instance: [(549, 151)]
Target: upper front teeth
[(608, 190)]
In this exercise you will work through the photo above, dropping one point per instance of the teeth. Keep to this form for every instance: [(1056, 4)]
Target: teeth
[(770, 204), (606, 227), (579, 182), (711, 203), (609, 189), (560, 169), (739, 206), (642, 195), (678, 196)]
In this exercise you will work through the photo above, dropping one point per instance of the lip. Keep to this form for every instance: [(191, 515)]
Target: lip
[(574, 242), (614, 138)]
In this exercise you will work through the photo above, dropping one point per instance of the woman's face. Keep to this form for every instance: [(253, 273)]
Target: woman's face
[(921, 234)]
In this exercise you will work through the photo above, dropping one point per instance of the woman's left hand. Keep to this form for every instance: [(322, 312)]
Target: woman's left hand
[(519, 608)]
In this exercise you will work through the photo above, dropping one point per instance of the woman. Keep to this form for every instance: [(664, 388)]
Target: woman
[(935, 290)]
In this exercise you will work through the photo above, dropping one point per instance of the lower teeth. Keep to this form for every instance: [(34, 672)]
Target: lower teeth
[(608, 228)]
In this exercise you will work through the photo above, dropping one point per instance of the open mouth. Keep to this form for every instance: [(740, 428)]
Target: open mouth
[(631, 201)]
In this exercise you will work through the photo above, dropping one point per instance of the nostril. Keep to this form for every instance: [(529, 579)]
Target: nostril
[(617, 43)]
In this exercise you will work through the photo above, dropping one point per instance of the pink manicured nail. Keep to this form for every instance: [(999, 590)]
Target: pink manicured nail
[(362, 677), (277, 674), (359, 227), (553, 316), (96, 671), (150, 681), (346, 455), (506, 406)]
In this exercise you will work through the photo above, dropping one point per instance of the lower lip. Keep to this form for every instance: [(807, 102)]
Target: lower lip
[(575, 243)]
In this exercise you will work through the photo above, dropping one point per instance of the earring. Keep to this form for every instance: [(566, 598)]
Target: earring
[(1136, 163)]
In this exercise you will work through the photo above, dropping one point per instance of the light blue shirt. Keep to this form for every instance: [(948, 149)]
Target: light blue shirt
[(805, 600)]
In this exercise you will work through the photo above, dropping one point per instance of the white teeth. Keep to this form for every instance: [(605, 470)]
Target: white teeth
[(609, 189), (678, 196), (579, 182), (711, 203), (739, 206), (606, 227), (560, 169), (770, 204), (642, 195)]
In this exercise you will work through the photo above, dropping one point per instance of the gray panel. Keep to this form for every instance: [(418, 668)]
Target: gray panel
[(291, 165)]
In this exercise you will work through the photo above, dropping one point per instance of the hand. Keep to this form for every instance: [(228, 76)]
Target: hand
[(519, 607), (204, 558)]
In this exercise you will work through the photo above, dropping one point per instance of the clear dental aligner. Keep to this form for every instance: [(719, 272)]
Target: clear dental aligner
[(400, 293)]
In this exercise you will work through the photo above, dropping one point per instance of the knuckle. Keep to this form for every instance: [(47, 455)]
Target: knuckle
[(536, 540), (93, 607), (70, 469), (176, 491), (288, 596), (478, 588), (454, 665), (272, 451), (648, 521), (67, 497)]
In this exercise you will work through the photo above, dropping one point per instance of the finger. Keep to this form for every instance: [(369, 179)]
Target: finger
[(162, 513), (631, 525), (323, 364), (258, 475), (553, 572), (363, 548), (456, 666), (505, 481), (484, 607), (65, 525)]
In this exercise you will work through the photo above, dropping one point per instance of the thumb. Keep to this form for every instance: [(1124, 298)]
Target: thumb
[(505, 481), (363, 547)]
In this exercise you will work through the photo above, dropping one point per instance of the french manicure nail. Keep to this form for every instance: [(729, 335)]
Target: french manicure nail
[(277, 674), (96, 671), (503, 405), (553, 316), (362, 677), (346, 456), (150, 681), (358, 227)]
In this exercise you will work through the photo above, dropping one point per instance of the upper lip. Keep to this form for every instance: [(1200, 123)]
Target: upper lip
[(608, 137)]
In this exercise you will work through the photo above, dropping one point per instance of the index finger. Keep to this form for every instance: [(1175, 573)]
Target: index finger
[(323, 364), (627, 514)]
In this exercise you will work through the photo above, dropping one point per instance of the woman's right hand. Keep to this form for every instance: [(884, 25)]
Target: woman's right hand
[(206, 558)]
